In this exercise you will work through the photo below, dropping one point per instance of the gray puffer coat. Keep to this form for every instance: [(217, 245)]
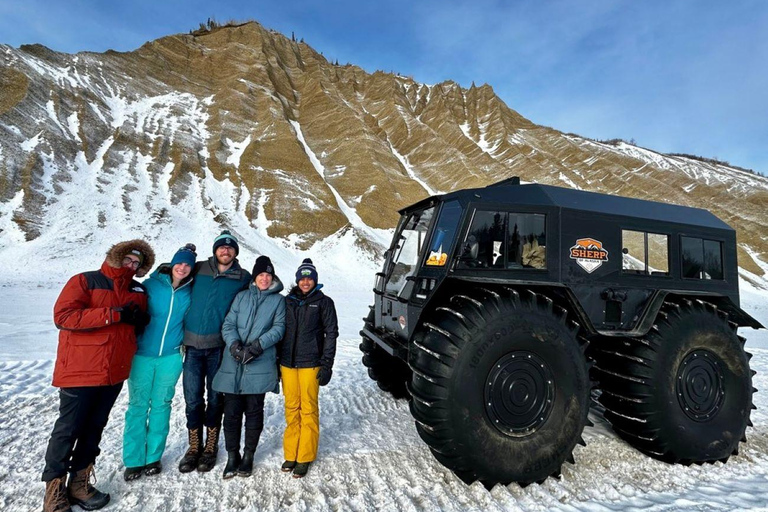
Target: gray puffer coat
[(254, 315)]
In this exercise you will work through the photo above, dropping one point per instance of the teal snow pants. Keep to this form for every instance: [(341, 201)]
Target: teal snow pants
[(151, 387)]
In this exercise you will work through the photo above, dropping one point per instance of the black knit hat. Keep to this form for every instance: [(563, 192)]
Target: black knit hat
[(226, 238), (263, 264)]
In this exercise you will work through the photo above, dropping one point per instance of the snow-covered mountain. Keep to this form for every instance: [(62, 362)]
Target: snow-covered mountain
[(245, 128)]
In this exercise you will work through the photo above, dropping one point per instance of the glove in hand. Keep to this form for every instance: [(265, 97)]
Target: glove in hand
[(133, 315), (237, 351), (252, 351), (324, 375)]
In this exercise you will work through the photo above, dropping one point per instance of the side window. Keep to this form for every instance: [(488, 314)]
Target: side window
[(488, 230), (658, 254), (442, 239), (713, 260), (527, 241), (702, 259), (644, 253), (633, 252)]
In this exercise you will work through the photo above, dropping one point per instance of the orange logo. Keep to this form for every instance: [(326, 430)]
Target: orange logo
[(589, 254)]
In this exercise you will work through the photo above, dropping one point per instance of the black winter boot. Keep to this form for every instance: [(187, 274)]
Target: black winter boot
[(300, 471), (233, 463), (153, 468), (208, 458), (246, 464), (56, 496), (81, 492), (189, 461), (288, 466), (131, 474)]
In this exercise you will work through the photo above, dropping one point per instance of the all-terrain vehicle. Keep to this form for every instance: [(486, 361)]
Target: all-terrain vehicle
[(502, 311)]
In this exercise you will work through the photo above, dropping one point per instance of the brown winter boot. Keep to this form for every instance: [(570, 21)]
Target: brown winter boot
[(189, 461), (56, 496), (81, 492), (208, 458)]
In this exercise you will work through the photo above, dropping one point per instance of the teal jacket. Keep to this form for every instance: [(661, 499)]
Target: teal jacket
[(166, 308), (212, 294), (254, 315)]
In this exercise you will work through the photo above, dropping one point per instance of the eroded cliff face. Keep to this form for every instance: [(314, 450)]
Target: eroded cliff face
[(260, 132)]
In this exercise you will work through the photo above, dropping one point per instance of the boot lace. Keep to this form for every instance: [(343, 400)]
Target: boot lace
[(90, 479), (213, 440), (58, 496)]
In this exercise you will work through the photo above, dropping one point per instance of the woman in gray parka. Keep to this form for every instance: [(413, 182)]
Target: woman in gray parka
[(251, 330)]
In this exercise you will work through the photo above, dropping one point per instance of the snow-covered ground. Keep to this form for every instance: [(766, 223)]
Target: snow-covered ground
[(370, 455)]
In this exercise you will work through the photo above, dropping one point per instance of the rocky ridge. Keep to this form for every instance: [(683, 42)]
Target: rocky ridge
[(260, 132)]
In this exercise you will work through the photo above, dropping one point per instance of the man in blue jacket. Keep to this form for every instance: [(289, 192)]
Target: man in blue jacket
[(216, 283)]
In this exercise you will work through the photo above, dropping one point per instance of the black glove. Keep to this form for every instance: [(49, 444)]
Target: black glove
[(252, 351), (324, 375), (132, 314), (236, 349)]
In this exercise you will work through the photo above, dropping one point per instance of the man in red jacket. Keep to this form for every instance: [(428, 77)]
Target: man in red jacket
[(98, 314)]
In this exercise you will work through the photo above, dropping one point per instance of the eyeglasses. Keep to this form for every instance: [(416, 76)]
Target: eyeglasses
[(132, 262), (226, 248)]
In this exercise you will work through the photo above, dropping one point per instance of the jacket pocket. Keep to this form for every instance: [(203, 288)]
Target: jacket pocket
[(88, 353)]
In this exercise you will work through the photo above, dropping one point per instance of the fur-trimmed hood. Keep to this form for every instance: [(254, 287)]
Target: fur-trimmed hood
[(120, 250)]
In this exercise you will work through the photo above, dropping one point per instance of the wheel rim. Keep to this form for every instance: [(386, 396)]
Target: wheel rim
[(519, 393), (700, 385)]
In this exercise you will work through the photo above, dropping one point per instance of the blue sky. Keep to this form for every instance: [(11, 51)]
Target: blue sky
[(675, 76)]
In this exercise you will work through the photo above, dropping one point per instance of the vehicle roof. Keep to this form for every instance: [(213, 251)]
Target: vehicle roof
[(535, 194)]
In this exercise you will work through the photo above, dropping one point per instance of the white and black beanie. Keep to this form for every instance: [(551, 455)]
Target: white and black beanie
[(306, 269)]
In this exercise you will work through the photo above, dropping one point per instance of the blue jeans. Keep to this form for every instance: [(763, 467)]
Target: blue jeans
[(200, 365)]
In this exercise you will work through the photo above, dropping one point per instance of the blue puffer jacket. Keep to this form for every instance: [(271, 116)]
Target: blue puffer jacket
[(254, 315), (167, 307)]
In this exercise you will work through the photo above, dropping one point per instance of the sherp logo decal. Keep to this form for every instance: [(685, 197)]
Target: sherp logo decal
[(589, 254)]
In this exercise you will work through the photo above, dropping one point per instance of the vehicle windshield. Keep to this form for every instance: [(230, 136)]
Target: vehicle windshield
[(407, 250)]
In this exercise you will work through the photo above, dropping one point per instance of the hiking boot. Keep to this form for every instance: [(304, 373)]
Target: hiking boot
[(300, 471), (208, 458), (288, 466), (153, 468), (233, 462), (132, 473), (191, 458), (81, 492), (246, 464), (56, 496)]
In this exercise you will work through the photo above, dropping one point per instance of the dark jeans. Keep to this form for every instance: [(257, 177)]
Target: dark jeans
[(74, 443), (234, 408), (200, 365)]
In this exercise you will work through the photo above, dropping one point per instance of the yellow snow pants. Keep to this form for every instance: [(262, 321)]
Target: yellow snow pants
[(302, 415)]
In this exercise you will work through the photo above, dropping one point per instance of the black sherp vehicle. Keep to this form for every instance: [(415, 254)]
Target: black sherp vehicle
[(496, 304)]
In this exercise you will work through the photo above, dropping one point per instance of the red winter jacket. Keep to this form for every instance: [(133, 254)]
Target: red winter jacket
[(95, 349)]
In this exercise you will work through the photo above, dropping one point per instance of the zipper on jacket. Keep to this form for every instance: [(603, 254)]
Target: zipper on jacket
[(170, 312), (296, 332), (167, 321)]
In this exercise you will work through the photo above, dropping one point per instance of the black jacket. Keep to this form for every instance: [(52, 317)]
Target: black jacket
[(311, 330)]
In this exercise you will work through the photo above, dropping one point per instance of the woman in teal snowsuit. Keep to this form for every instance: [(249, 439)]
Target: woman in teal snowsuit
[(251, 330), (157, 366)]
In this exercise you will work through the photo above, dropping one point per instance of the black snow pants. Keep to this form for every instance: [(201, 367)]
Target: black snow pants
[(234, 408), (74, 443)]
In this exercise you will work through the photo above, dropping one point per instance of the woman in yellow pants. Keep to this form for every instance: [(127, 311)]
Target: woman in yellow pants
[(306, 362)]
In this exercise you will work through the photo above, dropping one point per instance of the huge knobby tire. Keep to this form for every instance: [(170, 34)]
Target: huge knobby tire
[(683, 392), (500, 386), (389, 372)]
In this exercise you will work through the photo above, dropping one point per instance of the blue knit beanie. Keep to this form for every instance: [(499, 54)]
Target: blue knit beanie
[(186, 255), (226, 238), (306, 269)]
